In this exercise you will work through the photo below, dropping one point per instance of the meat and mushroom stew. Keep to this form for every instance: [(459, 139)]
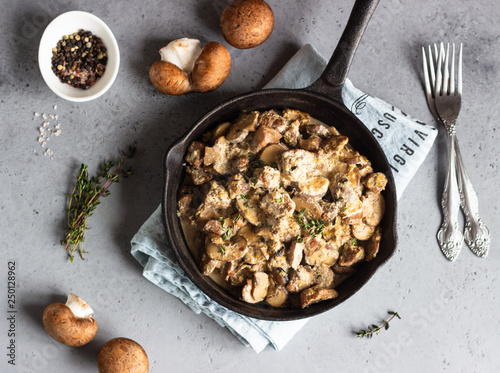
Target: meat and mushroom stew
[(281, 206)]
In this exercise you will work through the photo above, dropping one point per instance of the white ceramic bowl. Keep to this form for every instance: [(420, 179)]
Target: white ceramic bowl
[(68, 23)]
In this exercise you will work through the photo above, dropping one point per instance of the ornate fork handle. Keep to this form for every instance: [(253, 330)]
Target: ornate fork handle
[(449, 236), (476, 233)]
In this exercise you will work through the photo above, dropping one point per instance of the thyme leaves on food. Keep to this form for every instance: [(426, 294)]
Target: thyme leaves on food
[(375, 329), (254, 163), (315, 227), (85, 198)]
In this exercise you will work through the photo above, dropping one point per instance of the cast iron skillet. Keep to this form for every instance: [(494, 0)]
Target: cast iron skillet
[(322, 100)]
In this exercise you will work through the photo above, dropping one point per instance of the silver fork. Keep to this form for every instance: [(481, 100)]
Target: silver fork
[(445, 102)]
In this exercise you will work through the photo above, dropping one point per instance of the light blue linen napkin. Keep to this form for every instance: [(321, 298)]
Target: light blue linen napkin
[(406, 142)]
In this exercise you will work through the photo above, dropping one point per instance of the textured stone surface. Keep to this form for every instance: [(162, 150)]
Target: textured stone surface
[(450, 310)]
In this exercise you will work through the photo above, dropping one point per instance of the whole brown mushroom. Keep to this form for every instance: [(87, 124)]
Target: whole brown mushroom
[(72, 323), (186, 67), (122, 355), (247, 23)]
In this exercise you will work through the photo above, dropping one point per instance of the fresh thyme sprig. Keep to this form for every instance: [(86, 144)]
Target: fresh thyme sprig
[(375, 329), (85, 197)]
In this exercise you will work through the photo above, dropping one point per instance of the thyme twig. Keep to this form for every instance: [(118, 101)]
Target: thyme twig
[(85, 198), (375, 329)]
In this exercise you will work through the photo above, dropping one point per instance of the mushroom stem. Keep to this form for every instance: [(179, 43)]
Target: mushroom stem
[(182, 53), (78, 306)]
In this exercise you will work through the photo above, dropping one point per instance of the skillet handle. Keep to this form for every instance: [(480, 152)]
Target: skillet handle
[(332, 80)]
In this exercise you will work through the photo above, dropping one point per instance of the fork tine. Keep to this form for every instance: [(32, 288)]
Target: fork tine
[(433, 71), (459, 79), (428, 90), (452, 73), (439, 75), (446, 72)]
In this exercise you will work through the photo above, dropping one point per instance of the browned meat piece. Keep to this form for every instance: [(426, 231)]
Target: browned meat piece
[(316, 294), (203, 214), (351, 159), (351, 254), (248, 206), (329, 210), (333, 145), (291, 135), (346, 191), (237, 186), (185, 206), (341, 270), (257, 253), (225, 250), (373, 244), (240, 164), (376, 182), (198, 175), (292, 115), (277, 204), (364, 166), (217, 196), (273, 120), (318, 130), (321, 254), (296, 164), (324, 276), (373, 208), (208, 264), (213, 226), (267, 177), (338, 233), (229, 269), (264, 136), (311, 144), (217, 156), (195, 154), (300, 279), (221, 227), (247, 122), (285, 229), (255, 290), (295, 254), (277, 261)]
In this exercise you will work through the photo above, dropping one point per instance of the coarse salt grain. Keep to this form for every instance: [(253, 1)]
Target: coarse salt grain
[(46, 131)]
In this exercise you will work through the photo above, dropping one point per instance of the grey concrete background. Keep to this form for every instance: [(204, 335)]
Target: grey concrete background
[(450, 310)]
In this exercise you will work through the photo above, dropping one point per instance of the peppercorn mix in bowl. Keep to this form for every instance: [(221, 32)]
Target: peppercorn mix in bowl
[(78, 56)]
